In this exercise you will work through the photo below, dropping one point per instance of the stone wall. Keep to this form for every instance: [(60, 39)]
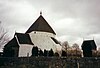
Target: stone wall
[(49, 62)]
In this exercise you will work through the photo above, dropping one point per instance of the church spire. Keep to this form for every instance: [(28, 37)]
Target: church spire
[(40, 12)]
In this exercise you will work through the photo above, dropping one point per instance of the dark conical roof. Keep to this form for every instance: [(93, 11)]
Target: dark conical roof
[(40, 25)]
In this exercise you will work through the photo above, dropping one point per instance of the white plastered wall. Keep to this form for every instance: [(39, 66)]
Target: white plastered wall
[(43, 40), (25, 50)]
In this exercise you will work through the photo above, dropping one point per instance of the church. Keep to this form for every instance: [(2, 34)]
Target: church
[(40, 34)]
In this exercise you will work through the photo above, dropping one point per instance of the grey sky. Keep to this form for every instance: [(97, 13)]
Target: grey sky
[(72, 20)]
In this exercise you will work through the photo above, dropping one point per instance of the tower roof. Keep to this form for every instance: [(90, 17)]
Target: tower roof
[(89, 43), (40, 25)]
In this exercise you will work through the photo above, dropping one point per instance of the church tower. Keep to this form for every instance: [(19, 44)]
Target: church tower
[(42, 35)]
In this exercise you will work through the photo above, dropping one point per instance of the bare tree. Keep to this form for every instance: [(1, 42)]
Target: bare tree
[(76, 49), (75, 46), (65, 46), (3, 36)]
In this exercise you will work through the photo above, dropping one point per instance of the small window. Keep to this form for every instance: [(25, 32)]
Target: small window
[(35, 32)]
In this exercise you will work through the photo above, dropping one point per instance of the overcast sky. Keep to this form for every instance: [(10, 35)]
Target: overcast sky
[(72, 20)]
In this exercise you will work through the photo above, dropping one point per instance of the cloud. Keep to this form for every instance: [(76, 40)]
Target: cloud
[(85, 14), (72, 20)]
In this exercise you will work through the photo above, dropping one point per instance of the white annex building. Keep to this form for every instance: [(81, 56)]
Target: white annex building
[(39, 34)]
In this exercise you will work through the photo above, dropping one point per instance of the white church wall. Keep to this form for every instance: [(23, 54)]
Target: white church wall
[(43, 33), (25, 50), (43, 40)]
